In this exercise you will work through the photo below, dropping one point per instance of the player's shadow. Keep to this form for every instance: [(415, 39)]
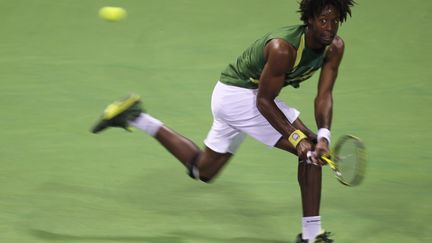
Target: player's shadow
[(257, 215), (50, 236), (177, 237), (206, 238)]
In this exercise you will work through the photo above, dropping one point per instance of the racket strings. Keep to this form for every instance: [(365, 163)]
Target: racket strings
[(346, 160)]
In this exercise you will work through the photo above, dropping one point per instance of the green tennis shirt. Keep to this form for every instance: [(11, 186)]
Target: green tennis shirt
[(246, 71)]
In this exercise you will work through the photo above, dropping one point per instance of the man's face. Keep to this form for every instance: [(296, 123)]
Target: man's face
[(324, 27)]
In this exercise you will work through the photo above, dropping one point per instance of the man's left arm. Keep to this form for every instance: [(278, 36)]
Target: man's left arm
[(324, 98)]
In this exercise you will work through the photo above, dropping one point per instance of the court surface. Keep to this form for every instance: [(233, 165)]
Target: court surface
[(60, 65)]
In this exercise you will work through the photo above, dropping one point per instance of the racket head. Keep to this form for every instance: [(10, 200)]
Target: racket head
[(349, 156)]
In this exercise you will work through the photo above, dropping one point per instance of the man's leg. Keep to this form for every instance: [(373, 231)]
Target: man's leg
[(309, 177), (202, 164), (127, 112)]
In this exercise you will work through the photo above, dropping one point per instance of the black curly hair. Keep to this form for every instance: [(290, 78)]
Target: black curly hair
[(312, 8)]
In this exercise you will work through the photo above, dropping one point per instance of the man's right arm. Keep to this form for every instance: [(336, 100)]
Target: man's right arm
[(280, 57)]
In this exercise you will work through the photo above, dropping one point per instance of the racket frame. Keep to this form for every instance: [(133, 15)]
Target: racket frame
[(360, 166)]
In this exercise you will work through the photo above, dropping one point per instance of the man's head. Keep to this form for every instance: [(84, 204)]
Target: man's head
[(324, 16)]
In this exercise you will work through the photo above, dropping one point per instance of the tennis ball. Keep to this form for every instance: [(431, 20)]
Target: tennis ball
[(112, 14)]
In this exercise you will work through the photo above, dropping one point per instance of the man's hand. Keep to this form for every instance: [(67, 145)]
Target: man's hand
[(303, 148), (322, 148)]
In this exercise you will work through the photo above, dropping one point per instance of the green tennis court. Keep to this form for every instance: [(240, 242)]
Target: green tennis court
[(60, 65)]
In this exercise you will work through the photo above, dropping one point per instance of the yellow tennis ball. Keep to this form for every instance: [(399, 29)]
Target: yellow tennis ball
[(112, 14)]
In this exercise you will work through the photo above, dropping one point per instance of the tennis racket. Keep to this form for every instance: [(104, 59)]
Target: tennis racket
[(348, 160)]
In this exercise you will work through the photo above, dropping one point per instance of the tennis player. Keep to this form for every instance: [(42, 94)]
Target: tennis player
[(244, 102)]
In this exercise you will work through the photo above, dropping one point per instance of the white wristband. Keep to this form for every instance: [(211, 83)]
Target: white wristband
[(323, 133)]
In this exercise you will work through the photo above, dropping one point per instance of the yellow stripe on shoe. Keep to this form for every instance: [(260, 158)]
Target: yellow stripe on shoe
[(118, 107)]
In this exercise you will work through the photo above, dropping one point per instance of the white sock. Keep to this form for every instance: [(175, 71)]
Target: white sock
[(147, 123), (311, 227)]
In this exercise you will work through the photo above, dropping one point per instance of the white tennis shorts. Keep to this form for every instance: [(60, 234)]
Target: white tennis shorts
[(235, 115)]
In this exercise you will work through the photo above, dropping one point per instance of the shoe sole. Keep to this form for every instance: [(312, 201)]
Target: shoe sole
[(113, 110)]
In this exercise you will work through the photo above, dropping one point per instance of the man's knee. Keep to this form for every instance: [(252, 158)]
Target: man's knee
[(206, 165), (206, 180), (194, 173)]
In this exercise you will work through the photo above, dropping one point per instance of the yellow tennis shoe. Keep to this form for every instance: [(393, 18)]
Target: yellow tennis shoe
[(119, 113)]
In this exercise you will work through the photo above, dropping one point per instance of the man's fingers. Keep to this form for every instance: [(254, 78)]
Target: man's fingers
[(312, 158)]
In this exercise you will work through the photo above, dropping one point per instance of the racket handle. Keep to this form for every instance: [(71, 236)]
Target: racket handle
[(329, 162), (309, 155)]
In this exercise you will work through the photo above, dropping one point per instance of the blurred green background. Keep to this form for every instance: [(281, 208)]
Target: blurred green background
[(60, 65)]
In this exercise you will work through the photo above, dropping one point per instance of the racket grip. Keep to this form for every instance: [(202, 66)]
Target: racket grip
[(329, 162)]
